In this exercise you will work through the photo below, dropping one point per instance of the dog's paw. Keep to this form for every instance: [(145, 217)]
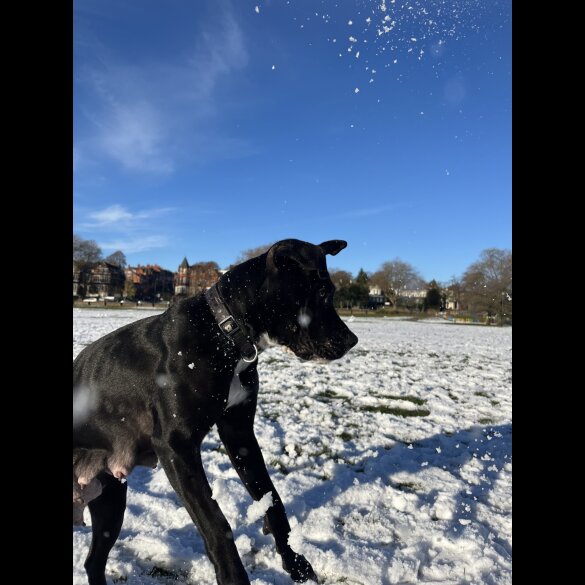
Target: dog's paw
[(299, 568)]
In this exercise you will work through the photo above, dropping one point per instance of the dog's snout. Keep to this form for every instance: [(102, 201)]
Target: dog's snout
[(351, 340)]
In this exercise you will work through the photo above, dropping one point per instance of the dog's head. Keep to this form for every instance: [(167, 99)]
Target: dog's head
[(299, 294)]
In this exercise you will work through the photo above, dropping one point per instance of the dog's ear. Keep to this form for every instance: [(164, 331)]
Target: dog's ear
[(333, 246), (291, 251)]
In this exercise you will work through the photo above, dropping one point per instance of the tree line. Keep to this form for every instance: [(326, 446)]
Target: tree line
[(484, 288)]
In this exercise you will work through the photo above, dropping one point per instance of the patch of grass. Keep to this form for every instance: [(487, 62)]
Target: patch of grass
[(433, 354), (494, 402), (330, 395), (346, 436), (161, 572), (482, 393), (278, 464), (413, 399), (409, 486), (486, 421), (452, 397), (396, 411)]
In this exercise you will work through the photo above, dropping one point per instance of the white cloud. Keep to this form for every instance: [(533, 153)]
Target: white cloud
[(118, 217), (135, 137), (111, 214), (151, 117), (137, 244)]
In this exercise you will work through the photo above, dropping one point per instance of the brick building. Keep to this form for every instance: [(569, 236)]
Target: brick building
[(148, 283), (190, 280), (100, 279)]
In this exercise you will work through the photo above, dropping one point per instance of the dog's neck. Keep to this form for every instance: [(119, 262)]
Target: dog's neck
[(240, 288)]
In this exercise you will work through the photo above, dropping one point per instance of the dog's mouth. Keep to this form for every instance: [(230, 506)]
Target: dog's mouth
[(321, 354), (325, 350), (305, 356)]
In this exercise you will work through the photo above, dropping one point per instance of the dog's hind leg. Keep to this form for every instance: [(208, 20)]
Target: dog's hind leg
[(107, 515)]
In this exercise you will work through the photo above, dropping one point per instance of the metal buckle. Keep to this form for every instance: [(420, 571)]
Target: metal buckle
[(229, 328)]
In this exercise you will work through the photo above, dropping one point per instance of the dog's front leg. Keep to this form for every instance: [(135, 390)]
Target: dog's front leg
[(237, 434), (181, 460)]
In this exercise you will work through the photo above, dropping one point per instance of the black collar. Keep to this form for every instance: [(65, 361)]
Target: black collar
[(233, 329)]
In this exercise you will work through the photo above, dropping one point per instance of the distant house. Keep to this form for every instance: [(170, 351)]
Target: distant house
[(411, 298), (452, 296), (192, 279), (376, 298), (150, 282), (101, 279), (416, 294), (182, 278)]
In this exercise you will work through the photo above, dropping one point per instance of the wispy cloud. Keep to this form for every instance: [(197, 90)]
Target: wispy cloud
[(120, 228), (154, 116), (137, 244), (118, 217)]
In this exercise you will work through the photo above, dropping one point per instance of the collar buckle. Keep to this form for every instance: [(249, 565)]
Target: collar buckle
[(229, 326)]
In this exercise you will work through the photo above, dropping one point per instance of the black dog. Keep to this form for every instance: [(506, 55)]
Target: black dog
[(152, 390)]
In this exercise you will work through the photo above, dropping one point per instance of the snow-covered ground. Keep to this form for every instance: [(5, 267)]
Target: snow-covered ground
[(394, 464)]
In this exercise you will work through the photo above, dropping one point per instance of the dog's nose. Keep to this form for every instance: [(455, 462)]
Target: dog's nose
[(351, 340)]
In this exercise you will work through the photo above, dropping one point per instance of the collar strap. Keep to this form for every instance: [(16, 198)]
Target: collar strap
[(232, 329)]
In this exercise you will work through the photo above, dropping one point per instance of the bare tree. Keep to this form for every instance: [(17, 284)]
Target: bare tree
[(487, 284), (340, 278), (202, 275), (251, 253), (85, 251), (396, 276), (118, 258)]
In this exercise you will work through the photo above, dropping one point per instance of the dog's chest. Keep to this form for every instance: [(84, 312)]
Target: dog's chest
[(239, 391)]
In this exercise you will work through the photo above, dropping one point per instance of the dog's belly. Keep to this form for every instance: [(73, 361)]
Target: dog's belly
[(88, 464), (125, 442)]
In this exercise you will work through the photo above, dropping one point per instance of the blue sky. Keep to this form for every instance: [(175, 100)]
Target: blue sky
[(203, 128)]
